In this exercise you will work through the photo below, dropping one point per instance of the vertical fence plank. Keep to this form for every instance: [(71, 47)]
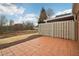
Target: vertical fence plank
[(61, 29)]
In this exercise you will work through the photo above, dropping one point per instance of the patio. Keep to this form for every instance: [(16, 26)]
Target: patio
[(43, 46)]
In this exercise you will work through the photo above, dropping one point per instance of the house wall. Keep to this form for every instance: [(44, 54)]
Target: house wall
[(60, 29), (75, 8), (78, 26), (75, 11)]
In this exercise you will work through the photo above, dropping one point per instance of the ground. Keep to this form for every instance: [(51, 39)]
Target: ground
[(15, 38), (41, 46), (15, 33)]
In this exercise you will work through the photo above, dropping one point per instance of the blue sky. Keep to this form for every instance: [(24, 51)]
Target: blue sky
[(20, 12), (36, 7)]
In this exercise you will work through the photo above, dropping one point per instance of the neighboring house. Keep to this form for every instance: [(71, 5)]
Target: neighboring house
[(62, 26), (18, 27)]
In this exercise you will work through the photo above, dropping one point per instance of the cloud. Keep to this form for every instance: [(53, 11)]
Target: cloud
[(64, 12), (13, 10), (32, 18), (10, 9), (60, 13)]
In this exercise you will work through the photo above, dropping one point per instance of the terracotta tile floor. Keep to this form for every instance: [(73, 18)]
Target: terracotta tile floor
[(43, 46)]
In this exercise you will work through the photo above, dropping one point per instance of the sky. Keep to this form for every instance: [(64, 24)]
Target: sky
[(29, 12), (36, 7)]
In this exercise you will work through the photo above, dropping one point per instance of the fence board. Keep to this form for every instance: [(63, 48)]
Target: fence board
[(62, 29)]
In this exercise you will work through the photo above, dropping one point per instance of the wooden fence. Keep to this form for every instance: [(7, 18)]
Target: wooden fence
[(60, 29)]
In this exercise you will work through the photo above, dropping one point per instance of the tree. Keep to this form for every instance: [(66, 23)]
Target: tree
[(24, 25), (49, 12), (43, 15), (30, 25), (11, 22), (3, 20)]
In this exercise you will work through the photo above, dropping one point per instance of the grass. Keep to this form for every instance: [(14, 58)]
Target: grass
[(11, 34), (18, 36)]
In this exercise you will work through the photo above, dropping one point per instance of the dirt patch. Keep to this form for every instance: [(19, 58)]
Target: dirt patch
[(2, 46), (6, 35)]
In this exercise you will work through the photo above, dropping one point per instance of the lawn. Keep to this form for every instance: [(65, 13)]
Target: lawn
[(13, 37), (15, 33)]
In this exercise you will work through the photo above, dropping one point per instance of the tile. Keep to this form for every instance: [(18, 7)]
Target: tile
[(43, 46)]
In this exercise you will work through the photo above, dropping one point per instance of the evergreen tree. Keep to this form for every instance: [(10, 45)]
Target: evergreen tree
[(43, 15)]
